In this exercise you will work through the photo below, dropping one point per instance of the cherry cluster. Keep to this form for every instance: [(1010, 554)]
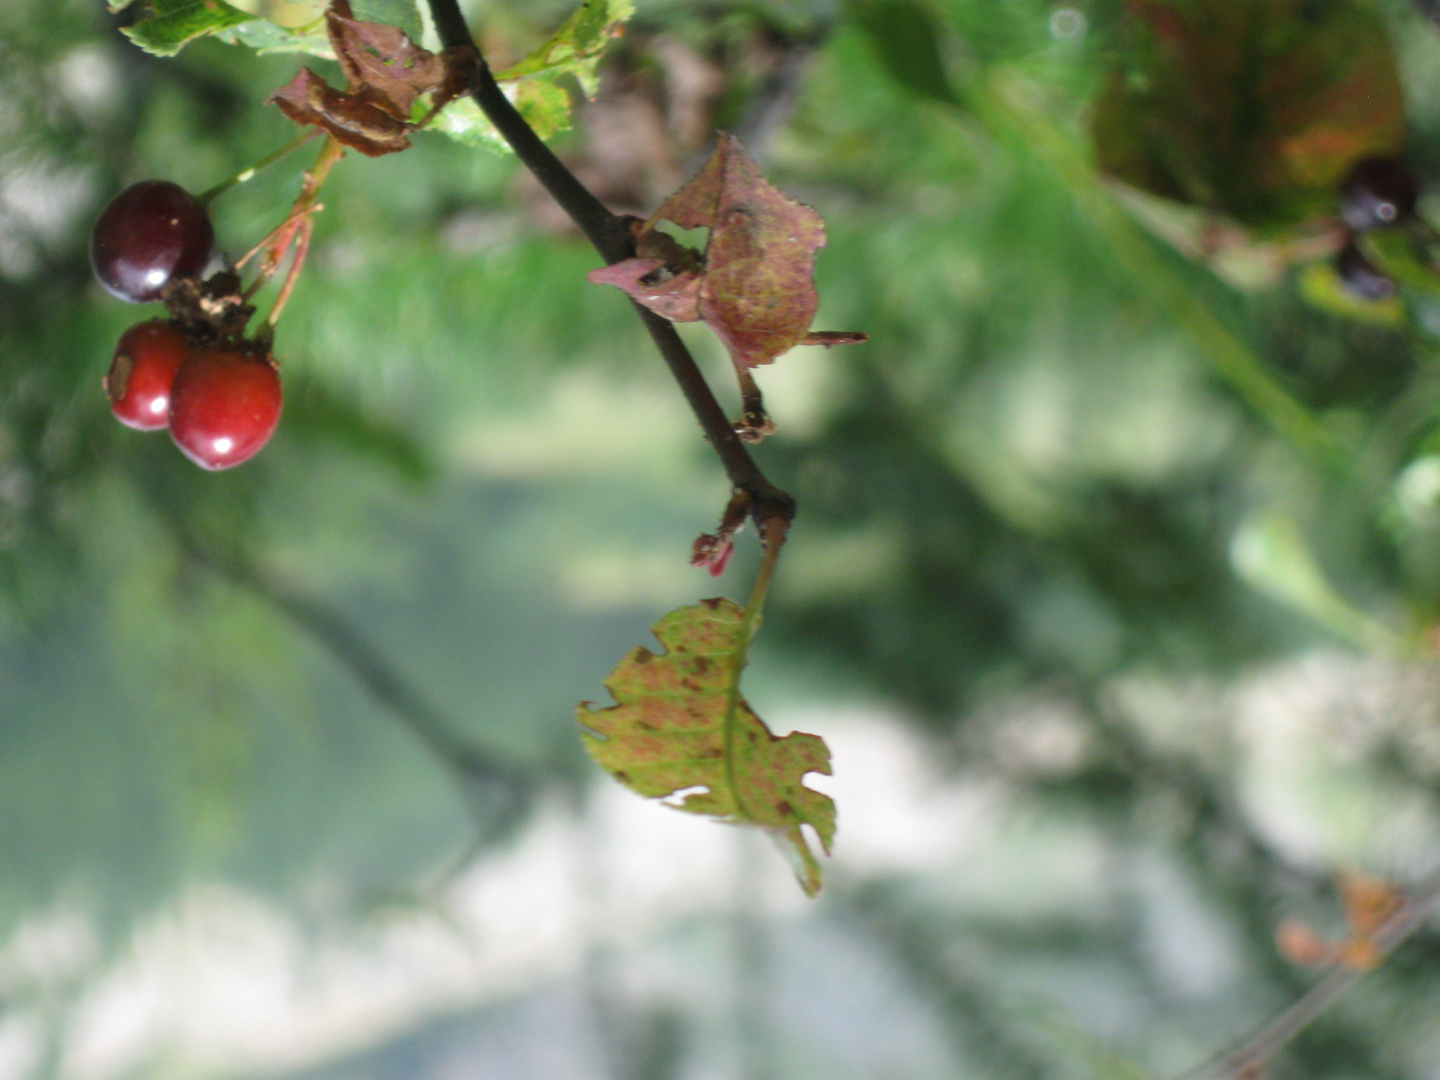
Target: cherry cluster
[(1377, 192), (195, 373)]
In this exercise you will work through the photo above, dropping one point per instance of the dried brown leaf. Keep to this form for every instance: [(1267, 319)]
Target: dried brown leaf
[(383, 64), (357, 123), (385, 72)]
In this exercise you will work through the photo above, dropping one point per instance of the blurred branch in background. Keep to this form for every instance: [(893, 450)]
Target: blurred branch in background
[(1412, 911), (496, 794)]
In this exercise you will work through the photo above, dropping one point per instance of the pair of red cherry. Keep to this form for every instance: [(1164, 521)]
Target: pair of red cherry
[(221, 400)]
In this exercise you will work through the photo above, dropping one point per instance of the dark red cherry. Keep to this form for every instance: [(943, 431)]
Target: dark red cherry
[(146, 360), (152, 231), (1378, 191), (1360, 276), (224, 405)]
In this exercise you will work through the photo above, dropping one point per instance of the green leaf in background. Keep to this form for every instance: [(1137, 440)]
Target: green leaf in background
[(1403, 259), (575, 48), (463, 121), (544, 104), (265, 36), (679, 727), (1321, 286), (1269, 552), (1255, 108), (170, 24), (906, 39), (299, 25)]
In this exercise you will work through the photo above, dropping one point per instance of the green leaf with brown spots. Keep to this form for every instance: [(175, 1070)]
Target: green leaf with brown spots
[(1254, 108), (679, 728)]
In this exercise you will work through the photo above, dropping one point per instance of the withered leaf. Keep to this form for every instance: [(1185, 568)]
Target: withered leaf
[(385, 72), (359, 124), (754, 285), (381, 61)]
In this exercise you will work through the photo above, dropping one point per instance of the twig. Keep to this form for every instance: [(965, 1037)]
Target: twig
[(463, 760), (611, 236), (1246, 1058)]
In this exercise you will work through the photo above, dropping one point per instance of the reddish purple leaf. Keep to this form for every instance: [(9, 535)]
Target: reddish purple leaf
[(754, 285), (650, 282)]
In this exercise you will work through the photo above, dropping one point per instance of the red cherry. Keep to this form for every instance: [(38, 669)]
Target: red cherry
[(147, 356), (152, 231), (224, 405)]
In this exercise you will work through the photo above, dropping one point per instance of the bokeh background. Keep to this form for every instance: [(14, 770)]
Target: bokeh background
[(1120, 666)]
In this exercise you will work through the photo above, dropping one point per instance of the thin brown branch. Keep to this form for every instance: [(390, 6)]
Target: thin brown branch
[(1245, 1059), (484, 781), (612, 238)]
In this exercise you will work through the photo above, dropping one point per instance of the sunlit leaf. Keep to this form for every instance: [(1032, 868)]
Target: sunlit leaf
[(1321, 286), (1255, 108), (576, 47), (169, 24), (544, 105), (679, 727), (299, 25), (264, 36)]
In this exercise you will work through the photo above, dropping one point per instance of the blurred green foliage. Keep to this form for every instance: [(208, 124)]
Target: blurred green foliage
[(1067, 459)]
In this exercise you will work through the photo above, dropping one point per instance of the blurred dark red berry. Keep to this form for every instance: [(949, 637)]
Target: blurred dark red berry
[(152, 231), (1378, 191), (1360, 276), (224, 405), (147, 357)]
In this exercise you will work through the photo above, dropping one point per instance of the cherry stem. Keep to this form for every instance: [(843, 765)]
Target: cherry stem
[(272, 239), (773, 531), (206, 197), (612, 238), (302, 248), (297, 228)]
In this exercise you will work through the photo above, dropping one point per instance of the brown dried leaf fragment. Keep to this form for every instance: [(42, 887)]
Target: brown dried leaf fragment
[(657, 286), (385, 72), (359, 124), (382, 64)]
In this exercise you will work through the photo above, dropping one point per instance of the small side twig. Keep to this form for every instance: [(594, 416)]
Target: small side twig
[(1244, 1060), (467, 763)]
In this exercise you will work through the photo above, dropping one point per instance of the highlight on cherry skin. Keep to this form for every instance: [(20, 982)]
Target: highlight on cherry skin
[(146, 359), (1378, 191), (225, 404), (151, 232)]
